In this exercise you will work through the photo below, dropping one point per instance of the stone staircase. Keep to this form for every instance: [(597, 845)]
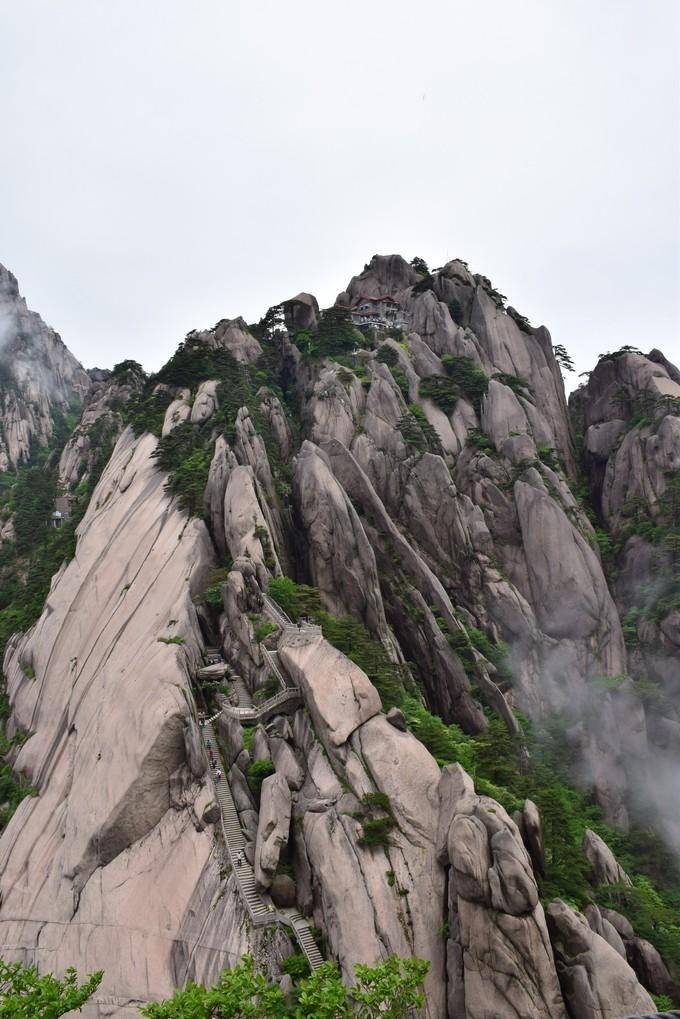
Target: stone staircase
[(260, 909), (275, 612)]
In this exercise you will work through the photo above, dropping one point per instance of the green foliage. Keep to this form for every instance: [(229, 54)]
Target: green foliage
[(424, 284), (185, 458), (387, 355), (653, 913), (417, 431), (145, 412), (377, 801), (171, 640), (481, 441), (420, 266), (399, 377), (662, 1002), (297, 600), (263, 628), (441, 391), (296, 966), (353, 639), (521, 320), (212, 594), (375, 832), (335, 336), (519, 385), (562, 357), (258, 771), (466, 378), (24, 994), (456, 311), (447, 743), (389, 990), (548, 456), (614, 355)]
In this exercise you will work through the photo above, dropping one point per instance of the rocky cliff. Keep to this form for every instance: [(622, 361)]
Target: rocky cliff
[(39, 377), (420, 489)]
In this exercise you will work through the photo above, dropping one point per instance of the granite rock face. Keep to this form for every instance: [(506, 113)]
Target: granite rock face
[(596, 982), (39, 377), (421, 479), (499, 957), (129, 872), (629, 412)]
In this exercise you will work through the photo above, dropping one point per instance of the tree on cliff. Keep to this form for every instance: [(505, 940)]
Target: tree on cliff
[(390, 990), (26, 995)]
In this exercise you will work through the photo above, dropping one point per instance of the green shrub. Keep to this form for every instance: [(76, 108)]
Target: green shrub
[(441, 391), (377, 801), (467, 376), (548, 456), (296, 966), (263, 629), (24, 994), (258, 771), (518, 385), (171, 640), (184, 456), (482, 442), (388, 355), (390, 990), (402, 382), (375, 832)]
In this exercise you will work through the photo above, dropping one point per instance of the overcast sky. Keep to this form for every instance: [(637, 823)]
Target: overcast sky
[(167, 164)]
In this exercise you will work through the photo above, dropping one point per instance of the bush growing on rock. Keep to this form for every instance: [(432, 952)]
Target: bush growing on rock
[(389, 990), (258, 771)]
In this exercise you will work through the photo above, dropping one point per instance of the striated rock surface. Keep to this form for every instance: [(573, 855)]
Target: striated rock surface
[(117, 820)]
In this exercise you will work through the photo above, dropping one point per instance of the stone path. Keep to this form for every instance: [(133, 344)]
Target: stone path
[(259, 907)]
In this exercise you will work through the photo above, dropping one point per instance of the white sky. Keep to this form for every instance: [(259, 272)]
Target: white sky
[(169, 163)]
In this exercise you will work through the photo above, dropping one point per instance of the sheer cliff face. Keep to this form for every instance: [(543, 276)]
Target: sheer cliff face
[(492, 525), (113, 863), (423, 486), (629, 413), (38, 376)]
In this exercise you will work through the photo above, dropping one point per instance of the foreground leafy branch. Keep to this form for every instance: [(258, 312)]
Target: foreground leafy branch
[(390, 990), (26, 995)]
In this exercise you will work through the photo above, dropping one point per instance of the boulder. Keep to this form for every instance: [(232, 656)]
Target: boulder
[(395, 716), (605, 928), (301, 312), (273, 828), (283, 891), (340, 697), (604, 867), (177, 412), (499, 960), (206, 402), (650, 968), (596, 982)]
